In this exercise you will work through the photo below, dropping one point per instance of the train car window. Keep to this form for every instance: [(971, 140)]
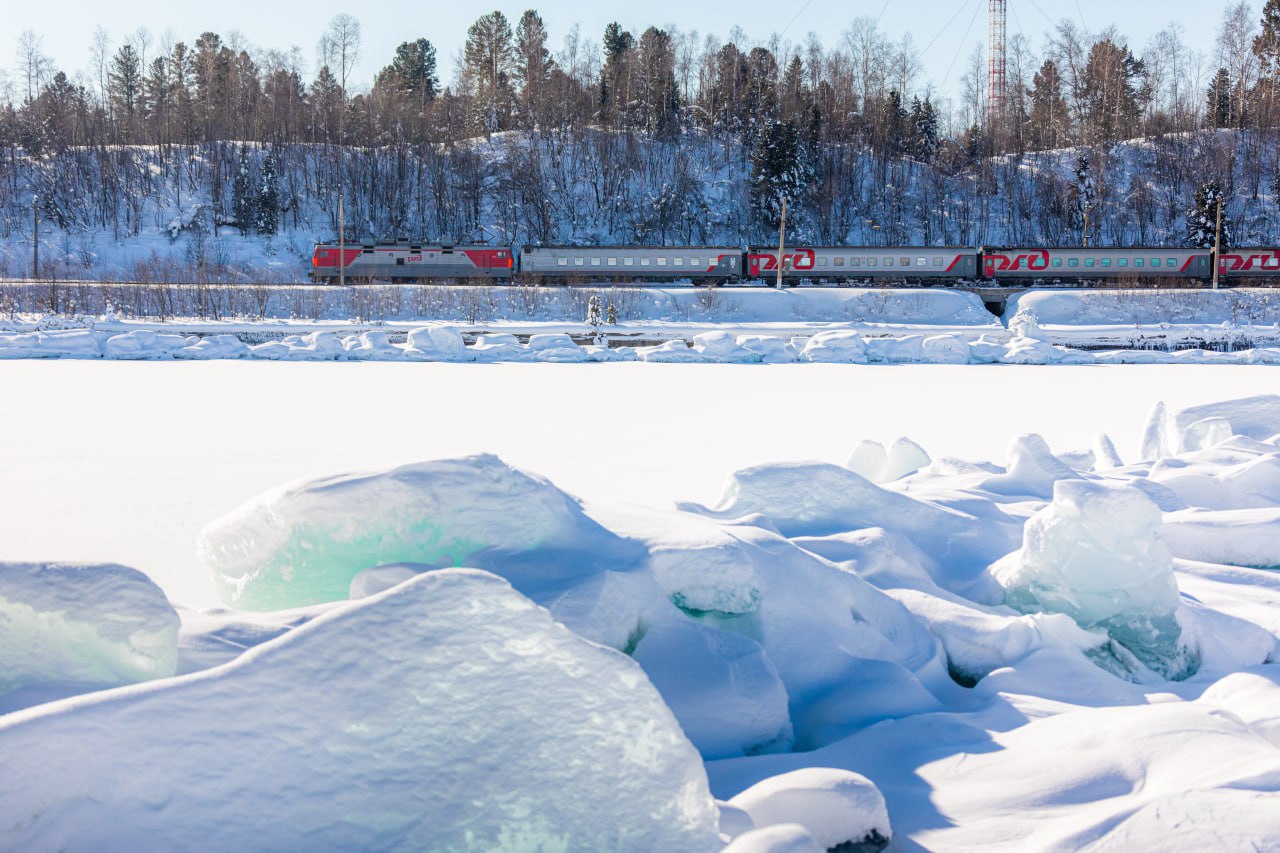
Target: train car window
[(1089, 262), (577, 262), (628, 262), (1106, 262), (595, 262), (678, 261), (1139, 262), (871, 262), (922, 262), (693, 262), (1155, 262), (853, 262), (1073, 262), (1173, 262), (1123, 262), (613, 262), (644, 262), (904, 262), (937, 262), (662, 262), (1057, 262), (564, 262), (822, 262)]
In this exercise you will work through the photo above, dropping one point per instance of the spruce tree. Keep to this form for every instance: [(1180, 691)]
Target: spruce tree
[(779, 169), (1219, 97), (1202, 219), (268, 206), (242, 195)]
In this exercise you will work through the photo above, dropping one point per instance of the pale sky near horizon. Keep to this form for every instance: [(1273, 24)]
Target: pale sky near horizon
[(945, 31)]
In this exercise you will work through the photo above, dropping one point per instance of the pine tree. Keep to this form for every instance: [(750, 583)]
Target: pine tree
[(125, 81), (1266, 46), (242, 195), (267, 211), (412, 73), (1202, 219), (490, 60), (1050, 119)]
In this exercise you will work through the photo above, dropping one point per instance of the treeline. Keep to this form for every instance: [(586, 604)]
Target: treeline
[(657, 136)]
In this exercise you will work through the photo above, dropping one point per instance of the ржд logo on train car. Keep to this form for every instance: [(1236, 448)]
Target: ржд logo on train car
[(1036, 261), (801, 260), (1267, 261)]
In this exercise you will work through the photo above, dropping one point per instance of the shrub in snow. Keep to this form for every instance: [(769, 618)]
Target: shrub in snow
[(723, 689), (449, 713), (1095, 555), (303, 544), (63, 623), (835, 348), (837, 807)]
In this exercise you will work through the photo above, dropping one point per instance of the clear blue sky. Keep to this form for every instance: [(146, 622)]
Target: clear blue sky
[(67, 26)]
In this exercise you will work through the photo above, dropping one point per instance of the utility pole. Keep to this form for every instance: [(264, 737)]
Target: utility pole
[(1217, 243), (35, 243), (342, 244), (782, 242)]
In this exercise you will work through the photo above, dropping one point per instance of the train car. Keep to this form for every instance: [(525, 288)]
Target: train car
[(1025, 265), (863, 263), (404, 261), (703, 264), (1249, 265)]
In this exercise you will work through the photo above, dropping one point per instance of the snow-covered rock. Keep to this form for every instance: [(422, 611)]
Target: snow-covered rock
[(448, 713), (836, 807)]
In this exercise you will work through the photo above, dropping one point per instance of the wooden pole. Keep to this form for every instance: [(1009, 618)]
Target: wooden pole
[(35, 243), (782, 242), (1217, 242), (342, 245)]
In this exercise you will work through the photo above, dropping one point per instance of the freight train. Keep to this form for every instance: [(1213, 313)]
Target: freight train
[(405, 261)]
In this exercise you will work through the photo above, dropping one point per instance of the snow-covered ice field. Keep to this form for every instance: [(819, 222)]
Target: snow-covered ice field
[(125, 462), (977, 639)]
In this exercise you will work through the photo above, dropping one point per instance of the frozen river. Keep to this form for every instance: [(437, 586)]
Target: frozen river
[(118, 461)]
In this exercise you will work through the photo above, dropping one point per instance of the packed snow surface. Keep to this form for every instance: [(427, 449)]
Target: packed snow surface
[(882, 641)]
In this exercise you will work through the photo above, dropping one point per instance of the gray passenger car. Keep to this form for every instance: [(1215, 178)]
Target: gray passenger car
[(632, 263)]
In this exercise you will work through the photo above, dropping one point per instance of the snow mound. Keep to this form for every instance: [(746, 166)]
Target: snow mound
[(69, 624), (1200, 427), (1033, 470), (835, 348), (707, 577), (437, 343), (449, 713), (220, 347), (779, 838), (672, 352), (1241, 537), (141, 344), (836, 807), (303, 544), (1095, 555), (721, 686), (724, 348)]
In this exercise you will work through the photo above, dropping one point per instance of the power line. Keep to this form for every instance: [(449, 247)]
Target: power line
[(797, 17), (964, 5), (963, 42)]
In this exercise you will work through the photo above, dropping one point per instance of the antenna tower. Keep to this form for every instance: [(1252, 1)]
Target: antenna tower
[(997, 60)]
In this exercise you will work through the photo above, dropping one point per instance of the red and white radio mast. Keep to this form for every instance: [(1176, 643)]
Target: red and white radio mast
[(997, 63)]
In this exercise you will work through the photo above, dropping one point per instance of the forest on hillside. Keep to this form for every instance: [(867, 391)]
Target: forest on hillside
[(661, 137)]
